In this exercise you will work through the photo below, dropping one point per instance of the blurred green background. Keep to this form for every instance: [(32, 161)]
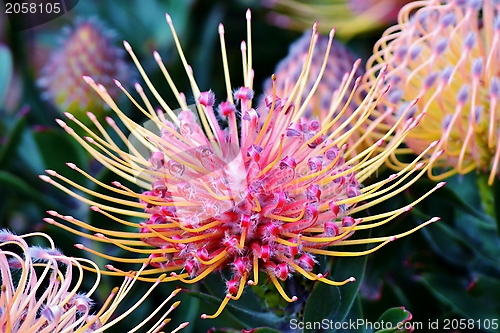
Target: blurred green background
[(447, 271)]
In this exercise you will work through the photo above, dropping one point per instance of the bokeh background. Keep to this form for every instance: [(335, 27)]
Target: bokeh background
[(449, 270)]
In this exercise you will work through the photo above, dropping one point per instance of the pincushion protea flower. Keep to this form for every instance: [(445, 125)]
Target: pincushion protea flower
[(350, 17), (87, 49), (333, 79), (268, 195), (40, 292), (446, 54)]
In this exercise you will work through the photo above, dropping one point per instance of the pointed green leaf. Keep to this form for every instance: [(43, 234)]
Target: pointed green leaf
[(263, 330), (496, 193), (56, 148), (15, 183), (245, 316), (8, 149), (486, 193), (334, 303), (323, 304), (344, 268), (394, 317), (475, 299), (354, 316), (6, 70), (253, 330)]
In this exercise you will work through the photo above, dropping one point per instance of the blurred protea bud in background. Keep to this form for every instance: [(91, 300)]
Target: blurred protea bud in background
[(87, 49), (349, 17), (41, 291), (446, 54), (333, 79), (268, 193)]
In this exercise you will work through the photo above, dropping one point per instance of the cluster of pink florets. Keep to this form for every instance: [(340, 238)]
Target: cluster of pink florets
[(224, 203)]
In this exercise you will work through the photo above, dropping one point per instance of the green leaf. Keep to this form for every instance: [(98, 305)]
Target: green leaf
[(459, 192), (13, 141), (496, 192), (470, 241), (253, 330), (394, 317), (323, 303), (245, 316), (29, 154), (6, 70), (334, 303), (9, 180), (486, 193), (474, 299), (345, 267), (263, 330), (353, 316), (446, 241), (56, 148)]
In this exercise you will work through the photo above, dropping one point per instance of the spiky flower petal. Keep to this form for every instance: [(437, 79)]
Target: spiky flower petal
[(446, 54), (40, 292), (266, 195)]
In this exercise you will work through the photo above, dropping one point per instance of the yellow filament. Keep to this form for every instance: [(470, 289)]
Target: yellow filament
[(280, 288), (215, 195), (154, 119), (270, 114), (349, 254), (151, 87), (273, 163), (124, 260), (112, 217), (318, 79), (335, 283), (240, 288), (171, 83), (299, 269), (89, 227), (288, 219), (255, 271), (385, 240), (212, 261), (96, 194), (178, 241), (200, 229), (219, 311), (225, 65), (330, 239), (85, 235), (204, 273), (192, 81), (241, 244), (136, 250), (145, 272)]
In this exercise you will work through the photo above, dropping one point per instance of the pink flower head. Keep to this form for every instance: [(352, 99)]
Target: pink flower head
[(87, 49), (269, 192)]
